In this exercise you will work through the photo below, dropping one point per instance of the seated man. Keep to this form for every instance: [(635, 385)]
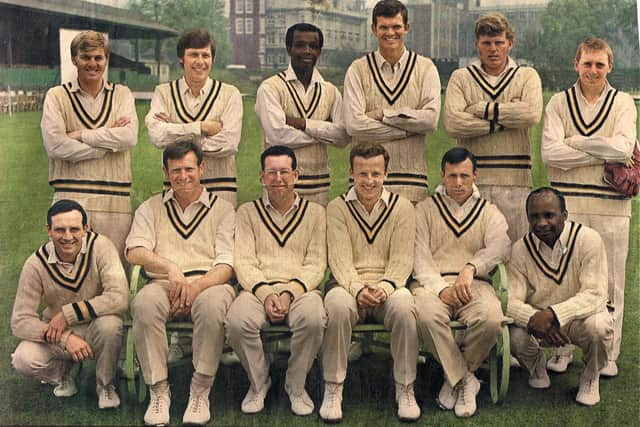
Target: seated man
[(183, 238), (79, 278), (558, 293), (370, 235), (460, 238), (280, 259)]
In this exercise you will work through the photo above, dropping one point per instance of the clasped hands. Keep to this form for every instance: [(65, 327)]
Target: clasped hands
[(181, 293), (277, 307)]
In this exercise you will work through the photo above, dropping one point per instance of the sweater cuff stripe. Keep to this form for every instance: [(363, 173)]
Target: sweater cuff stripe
[(390, 282), (92, 312), (301, 283), (258, 286), (77, 310)]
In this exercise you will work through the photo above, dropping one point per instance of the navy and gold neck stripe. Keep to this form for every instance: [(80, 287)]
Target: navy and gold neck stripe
[(555, 274), (186, 230), (491, 90), (85, 118), (571, 189), (90, 186), (392, 94), (281, 234), (73, 283), (371, 231), (458, 227), (305, 111), (201, 115), (584, 128)]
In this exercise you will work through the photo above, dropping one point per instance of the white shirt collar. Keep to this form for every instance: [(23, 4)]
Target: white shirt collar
[(510, 64), (381, 61), (290, 74), (384, 197), (267, 202), (75, 85), (475, 195), (204, 197), (184, 87), (600, 98)]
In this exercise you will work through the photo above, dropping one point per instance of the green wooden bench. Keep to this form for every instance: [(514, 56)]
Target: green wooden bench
[(370, 336)]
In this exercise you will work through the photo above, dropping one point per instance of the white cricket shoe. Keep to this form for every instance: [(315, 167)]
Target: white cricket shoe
[(331, 408)]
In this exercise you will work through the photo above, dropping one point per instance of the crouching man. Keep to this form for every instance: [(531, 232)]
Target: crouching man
[(558, 293), (78, 277)]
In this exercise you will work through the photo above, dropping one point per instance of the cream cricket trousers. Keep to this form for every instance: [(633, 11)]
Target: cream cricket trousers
[(592, 334), (48, 362), (511, 202), (306, 319), (397, 313), (482, 316), (150, 311)]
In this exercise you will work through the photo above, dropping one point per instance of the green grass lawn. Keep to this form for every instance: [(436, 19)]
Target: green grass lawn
[(368, 398)]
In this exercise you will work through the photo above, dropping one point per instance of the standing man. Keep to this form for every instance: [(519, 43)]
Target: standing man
[(280, 260), (199, 108), (297, 108), (183, 238), (392, 97), (88, 127), (585, 127), (79, 278), (370, 236), (489, 107), (558, 293), (460, 238)]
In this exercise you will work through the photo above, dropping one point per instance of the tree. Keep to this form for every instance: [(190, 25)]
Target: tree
[(565, 23), (184, 15)]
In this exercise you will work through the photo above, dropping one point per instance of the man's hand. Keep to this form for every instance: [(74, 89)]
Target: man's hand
[(463, 283), (163, 117), (557, 337), (210, 127), (375, 115), (274, 309), (78, 348), (285, 302), (296, 122), (448, 296), (177, 289), (55, 328), (121, 122), (541, 322), (370, 297), (76, 134)]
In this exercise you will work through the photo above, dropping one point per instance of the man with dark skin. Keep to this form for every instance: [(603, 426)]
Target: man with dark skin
[(558, 293), (297, 108)]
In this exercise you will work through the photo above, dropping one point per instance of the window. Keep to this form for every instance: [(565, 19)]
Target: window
[(261, 5), (239, 8), (261, 23), (239, 26), (248, 6), (248, 26)]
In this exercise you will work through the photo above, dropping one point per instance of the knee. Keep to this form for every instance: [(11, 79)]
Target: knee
[(23, 359), (108, 326), (209, 309), (237, 325), (401, 308), (313, 321), (143, 310), (490, 322), (339, 311), (518, 337), (599, 327)]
